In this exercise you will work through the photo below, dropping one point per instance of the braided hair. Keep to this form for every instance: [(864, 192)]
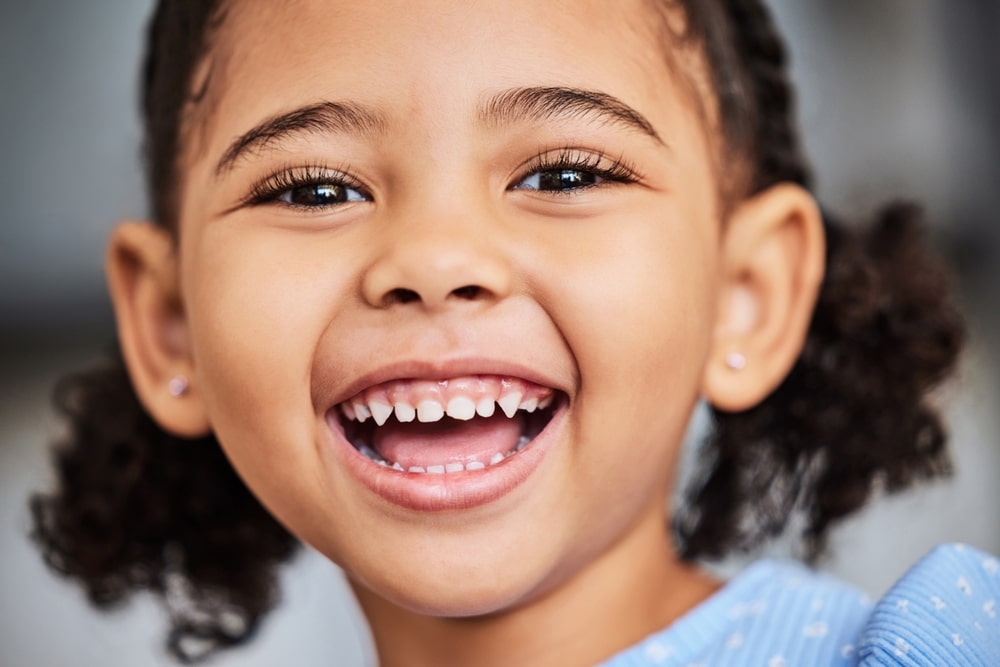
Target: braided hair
[(139, 509)]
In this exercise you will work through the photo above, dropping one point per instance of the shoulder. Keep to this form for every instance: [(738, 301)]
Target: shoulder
[(775, 614), (944, 611)]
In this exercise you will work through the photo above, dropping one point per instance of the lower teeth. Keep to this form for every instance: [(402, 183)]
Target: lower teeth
[(441, 469)]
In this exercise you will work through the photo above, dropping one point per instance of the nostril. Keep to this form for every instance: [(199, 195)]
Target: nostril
[(400, 295), (404, 295), (468, 292)]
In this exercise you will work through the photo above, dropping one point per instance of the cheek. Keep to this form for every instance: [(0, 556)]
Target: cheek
[(636, 312), (258, 304), (639, 305)]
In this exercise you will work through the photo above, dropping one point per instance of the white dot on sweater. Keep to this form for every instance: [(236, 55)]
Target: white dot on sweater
[(964, 585), (956, 639), (992, 566), (902, 648), (735, 640), (754, 608), (816, 630), (657, 652), (990, 608), (777, 661), (938, 603), (847, 650)]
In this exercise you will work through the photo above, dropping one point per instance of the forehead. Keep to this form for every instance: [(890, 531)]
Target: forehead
[(400, 54), (390, 28)]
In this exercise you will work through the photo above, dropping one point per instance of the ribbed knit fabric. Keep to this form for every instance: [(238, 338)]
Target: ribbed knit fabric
[(945, 611), (781, 614)]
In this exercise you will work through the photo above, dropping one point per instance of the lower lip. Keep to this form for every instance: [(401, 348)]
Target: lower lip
[(426, 492)]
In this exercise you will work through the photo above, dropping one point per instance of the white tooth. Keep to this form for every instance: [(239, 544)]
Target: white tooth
[(461, 408), (435, 470), (497, 458), (545, 402), (529, 405), (361, 411), (380, 411), (486, 407), (522, 442), (417, 469), (454, 467), (396, 466), (383, 464), (475, 465), (348, 411), (405, 412), (429, 411), (509, 403)]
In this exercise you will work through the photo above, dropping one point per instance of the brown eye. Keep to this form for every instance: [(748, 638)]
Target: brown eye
[(320, 194), (559, 180)]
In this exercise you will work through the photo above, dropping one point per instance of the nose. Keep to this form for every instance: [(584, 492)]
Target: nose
[(436, 265)]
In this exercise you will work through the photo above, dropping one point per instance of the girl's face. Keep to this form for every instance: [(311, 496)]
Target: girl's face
[(440, 204)]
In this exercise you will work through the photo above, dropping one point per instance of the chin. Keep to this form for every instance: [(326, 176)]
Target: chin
[(459, 582), (449, 595)]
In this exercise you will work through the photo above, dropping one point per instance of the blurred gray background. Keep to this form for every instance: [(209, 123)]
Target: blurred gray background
[(899, 98)]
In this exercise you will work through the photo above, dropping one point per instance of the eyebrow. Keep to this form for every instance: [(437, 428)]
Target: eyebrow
[(318, 118), (545, 103), (506, 108)]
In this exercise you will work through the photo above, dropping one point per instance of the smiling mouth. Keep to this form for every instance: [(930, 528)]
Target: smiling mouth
[(464, 424)]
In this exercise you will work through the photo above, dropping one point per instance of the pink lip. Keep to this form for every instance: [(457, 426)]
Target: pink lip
[(424, 492), (442, 370)]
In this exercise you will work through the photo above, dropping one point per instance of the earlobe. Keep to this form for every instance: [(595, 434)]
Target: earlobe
[(141, 267), (772, 265)]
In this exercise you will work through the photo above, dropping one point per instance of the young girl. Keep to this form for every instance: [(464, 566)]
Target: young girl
[(435, 288)]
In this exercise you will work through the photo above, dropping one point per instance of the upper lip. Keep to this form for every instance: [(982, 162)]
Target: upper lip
[(444, 369)]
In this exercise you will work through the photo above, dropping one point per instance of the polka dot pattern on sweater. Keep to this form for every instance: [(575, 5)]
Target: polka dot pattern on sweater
[(781, 614)]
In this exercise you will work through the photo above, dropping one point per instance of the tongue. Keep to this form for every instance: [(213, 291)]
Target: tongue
[(447, 441)]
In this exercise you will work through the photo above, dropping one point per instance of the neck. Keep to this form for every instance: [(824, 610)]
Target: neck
[(635, 588)]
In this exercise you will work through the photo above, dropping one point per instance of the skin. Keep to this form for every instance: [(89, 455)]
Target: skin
[(627, 297)]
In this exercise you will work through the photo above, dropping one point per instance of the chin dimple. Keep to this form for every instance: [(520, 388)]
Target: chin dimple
[(459, 398)]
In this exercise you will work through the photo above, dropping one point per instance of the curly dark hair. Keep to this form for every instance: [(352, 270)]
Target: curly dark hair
[(853, 415), (137, 508)]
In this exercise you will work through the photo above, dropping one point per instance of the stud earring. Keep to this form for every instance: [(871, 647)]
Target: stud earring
[(736, 361), (178, 386)]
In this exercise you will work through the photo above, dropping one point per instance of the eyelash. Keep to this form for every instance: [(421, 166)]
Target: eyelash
[(270, 188), (611, 170)]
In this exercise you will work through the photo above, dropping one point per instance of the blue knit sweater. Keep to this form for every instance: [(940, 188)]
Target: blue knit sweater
[(945, 611)]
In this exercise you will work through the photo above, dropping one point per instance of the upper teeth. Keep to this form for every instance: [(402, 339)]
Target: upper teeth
[(429, 410), (510, 403), (380, 411), (461, 399)]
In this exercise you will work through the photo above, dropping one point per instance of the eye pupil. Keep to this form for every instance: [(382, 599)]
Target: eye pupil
[(566, 179), (317, 195)]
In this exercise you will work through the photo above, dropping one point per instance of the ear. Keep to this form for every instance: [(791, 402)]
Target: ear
[(141, 267), (773, 252)]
